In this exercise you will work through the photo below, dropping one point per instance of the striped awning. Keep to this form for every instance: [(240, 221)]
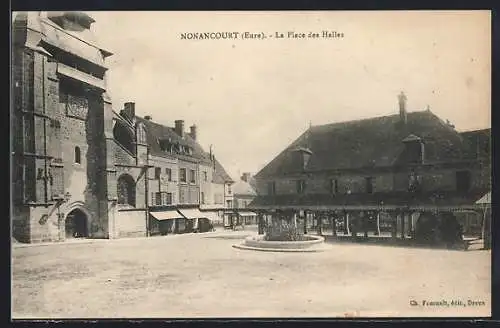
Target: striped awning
[(212, 216), (246, 213), (191, 213), (166, 215)]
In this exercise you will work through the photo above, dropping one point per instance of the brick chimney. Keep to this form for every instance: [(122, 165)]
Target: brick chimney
[(179, 128), (129, 110), (193, 131), (246, 177), (403, 115)]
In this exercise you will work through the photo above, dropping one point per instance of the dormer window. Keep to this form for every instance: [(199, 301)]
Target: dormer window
[(300, 158), (414, 149)]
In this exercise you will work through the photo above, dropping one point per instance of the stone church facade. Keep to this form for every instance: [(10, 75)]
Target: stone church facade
[(81, 169)]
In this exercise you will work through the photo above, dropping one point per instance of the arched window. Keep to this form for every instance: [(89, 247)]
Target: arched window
[(124, 136), (78, 158), (141, 134), (126, 190)]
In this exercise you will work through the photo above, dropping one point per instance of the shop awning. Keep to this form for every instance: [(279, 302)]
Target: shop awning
[(246, 213), (166, 215), (486, 199), (212, 216), (191, 213)]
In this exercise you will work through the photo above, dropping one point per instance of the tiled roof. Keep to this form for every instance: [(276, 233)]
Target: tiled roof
[(220, 175), (156, 132), (243, 188), (478, 142), (371, 142)]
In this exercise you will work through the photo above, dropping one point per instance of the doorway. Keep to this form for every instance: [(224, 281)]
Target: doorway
[(76, 224)]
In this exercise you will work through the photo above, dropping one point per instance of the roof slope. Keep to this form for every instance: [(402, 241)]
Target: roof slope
[(371, 142), (156, 132), (220, 175), (243, 188), (478, 142)]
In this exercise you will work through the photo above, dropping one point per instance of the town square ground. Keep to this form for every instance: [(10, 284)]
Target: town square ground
[(203, 276)]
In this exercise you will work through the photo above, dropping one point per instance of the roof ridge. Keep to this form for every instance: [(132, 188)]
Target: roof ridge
[(370, 118)]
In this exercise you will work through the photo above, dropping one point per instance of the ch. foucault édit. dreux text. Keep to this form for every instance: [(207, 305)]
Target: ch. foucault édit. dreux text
[(325, 34)]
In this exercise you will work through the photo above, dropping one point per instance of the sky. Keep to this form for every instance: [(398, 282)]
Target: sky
[(251, 98)]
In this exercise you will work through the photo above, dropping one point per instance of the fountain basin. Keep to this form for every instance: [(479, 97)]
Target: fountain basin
[(257, 243)]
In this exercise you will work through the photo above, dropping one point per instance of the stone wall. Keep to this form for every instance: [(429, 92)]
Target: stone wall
[(130, 223)]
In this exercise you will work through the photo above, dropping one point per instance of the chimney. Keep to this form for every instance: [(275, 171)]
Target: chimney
[(179, 128), (193, 131), (148, 118), (129, 109), (246, 176), (402, 107)]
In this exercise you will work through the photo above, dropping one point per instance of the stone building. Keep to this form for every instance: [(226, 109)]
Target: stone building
[(395, 167), (81, 169), (61, 126)]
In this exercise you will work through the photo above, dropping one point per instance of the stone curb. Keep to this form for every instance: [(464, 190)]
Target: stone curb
[(282, 250)]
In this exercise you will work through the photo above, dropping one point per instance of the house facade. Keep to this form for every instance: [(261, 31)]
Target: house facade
[(399, 166), (82, 169), (244, 194)]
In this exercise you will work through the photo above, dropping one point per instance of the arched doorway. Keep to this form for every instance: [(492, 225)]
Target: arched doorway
[(76, 224)]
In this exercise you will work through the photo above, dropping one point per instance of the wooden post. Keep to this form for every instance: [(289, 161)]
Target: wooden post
[(305, 222), (403, 224), (334, 224), (365, 224), (319, 222), (394, 224), (378, 223), (486, 229), (347, 228)]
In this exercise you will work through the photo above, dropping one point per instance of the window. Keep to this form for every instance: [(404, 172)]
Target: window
[(182, 175), (78, 158), (334, 186), (301, 186), (39, 175), (229, 189), (192, 176), (369, 185), (169, 199), (229, 203), (463, 179), (271, 188), (157, 198), (168, 173), (205, 176), (203, 198), (126, 190), (157, 172)]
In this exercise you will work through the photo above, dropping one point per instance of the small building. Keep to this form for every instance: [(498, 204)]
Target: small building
[(244, 194), (223, 193)]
